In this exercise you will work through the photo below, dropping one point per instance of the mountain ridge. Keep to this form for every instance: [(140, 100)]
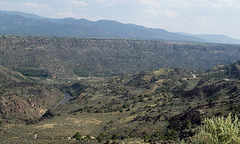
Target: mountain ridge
[(14, 23), (70, 27), (214, 38)]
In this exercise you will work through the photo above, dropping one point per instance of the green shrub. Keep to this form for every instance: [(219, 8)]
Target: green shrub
[(100, 137), (88, 137), (170, 135), (114, 136), (107, 141), (218, 130), (80, 72), (33, 72), (77, 136)]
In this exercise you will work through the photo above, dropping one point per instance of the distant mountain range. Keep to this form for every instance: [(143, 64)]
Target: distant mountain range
[(18, 23), (214, 38)]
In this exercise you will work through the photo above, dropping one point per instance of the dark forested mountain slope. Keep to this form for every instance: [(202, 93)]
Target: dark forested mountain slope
[(16, 23), (27, 15)]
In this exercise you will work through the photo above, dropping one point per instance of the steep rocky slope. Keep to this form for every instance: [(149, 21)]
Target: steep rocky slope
[(22, 98)]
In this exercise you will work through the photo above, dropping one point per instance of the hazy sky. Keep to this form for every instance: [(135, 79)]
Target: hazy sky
[(191, 16)]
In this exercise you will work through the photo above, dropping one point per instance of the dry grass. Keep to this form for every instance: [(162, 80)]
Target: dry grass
[(46, 126)]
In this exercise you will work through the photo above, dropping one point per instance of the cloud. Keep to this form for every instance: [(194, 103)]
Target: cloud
[(228, 2), (35, 5), (214, 3), (170, 13), (110, 3), (149, 13), (203, 4), (151, 3), (101, 1), (79, 3)]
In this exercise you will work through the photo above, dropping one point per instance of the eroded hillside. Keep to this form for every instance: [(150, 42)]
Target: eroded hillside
[(23, 99), (165, 105)]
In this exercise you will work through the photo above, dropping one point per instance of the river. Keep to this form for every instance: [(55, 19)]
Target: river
[(66, 99)]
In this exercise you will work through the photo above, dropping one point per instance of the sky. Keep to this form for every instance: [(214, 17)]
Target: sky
[(190, 16)]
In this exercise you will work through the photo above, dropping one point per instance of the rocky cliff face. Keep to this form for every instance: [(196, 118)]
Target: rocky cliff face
[(22, 99), (35, 107), (235, 70)]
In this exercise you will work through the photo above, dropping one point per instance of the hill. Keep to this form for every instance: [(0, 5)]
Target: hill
[(234, 70), (72, 57), (23, 98), (162, 106)]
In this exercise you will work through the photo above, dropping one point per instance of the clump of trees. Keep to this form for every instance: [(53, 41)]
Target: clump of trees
[(34, 72), (80, 138), (77, 136), (218, 130)]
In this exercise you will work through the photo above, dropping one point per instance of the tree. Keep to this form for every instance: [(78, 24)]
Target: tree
[(77, 136), (218, 130)]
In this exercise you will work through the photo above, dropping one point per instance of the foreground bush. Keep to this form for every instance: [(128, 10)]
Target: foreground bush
[(218, 130), (77, 136)]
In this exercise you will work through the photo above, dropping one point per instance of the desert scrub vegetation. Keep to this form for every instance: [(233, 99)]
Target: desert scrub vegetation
[(68, 57), (218, 130)]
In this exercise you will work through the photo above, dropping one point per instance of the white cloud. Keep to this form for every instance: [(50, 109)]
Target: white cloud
[(35, 5), (170, 13), (110, 3), (151, 3), (215, 3), (149, 13), (228, 2), (101, 1), (210, 4), (79, 3)]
